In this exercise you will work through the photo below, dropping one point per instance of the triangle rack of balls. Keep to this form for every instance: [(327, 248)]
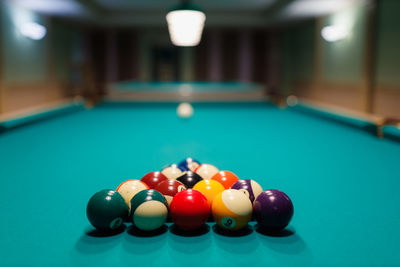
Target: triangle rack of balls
[(189, 195)]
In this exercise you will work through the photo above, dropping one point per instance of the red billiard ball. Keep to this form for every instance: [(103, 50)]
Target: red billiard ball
[(170, 188), (226, 178), (189, 209), (273, 210), (152, 179)]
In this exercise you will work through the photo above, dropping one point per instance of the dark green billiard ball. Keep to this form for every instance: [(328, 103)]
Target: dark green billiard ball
[(106, 210)]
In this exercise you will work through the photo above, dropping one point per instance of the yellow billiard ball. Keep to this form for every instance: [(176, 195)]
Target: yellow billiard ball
[(231, 209), (209, 188)]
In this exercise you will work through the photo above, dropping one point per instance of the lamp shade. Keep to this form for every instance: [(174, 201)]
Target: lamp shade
[(185, 24)]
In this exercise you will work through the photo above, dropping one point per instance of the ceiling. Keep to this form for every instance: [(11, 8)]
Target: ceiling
[(233, 13), (166, 4)]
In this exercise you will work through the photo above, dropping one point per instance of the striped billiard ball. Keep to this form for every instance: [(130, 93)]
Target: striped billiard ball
[(149, 210), (188, 164), (130, 188), (172, 171), (106, 210), (249, 187), (231, 209), (206, 171)]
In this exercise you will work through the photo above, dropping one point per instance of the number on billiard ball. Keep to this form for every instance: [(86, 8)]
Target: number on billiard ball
[(231, 209)]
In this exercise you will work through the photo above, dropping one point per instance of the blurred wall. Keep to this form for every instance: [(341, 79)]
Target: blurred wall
[(319, 70), (360, 72), (297, 49), (33, 72), (147, 54), (387, 81)]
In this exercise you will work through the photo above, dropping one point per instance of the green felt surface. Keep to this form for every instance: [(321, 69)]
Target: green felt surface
[(343, 182)]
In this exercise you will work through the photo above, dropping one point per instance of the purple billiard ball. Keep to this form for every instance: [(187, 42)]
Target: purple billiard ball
[(273, 210)]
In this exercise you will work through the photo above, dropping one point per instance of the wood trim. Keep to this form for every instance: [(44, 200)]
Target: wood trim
[(387, 99), (335, 109), (39, 108), (341, 94), (21, 96)]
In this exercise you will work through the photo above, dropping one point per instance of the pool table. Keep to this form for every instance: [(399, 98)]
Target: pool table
[(344, 183)]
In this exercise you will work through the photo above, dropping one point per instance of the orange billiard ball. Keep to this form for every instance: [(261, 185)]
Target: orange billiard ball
[(226, 178)]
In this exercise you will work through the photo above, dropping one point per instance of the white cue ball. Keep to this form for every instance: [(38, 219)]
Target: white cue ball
[(184, 110), (291, 101)]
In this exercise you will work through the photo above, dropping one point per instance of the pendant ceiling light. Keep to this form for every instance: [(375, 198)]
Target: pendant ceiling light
[(185, 24)]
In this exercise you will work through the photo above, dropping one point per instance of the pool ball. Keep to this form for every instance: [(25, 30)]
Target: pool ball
[(152, 179), (106, 210), (170, 188), (231, 209), (172, 171), (226, 178), (206, 171), (184, 110), (189, 209), (250, 187), (130, 188), (209, 188), (188, 164), (189, 179), (149, 210), (273, 210)]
